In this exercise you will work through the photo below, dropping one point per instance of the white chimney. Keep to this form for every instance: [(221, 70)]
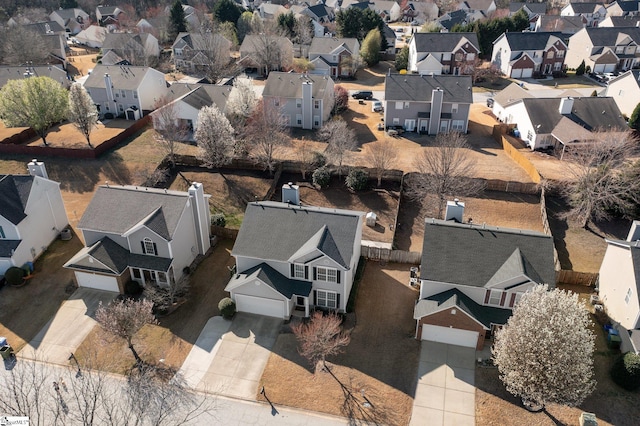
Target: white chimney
[(36, 168), (566, 105), (201, 216), (455, 210), (291, 193), (634, 232)]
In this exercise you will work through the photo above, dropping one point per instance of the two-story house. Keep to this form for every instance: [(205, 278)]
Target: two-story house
[(593, 12), (389, 10), (305, 100), (337, 57), (604, 49), (135, 48), (428, 104), (471, 277), (625, 91), (523, 55), (320, 13), (108, 16), (623, 8), (443, 53), (31, 215), (534, 11), (567, 25), (312, 265), (266, 53), (147, 235), (125, 90), (621, 21), (73, 20), (477, 9), (193, 52), (92, 36)]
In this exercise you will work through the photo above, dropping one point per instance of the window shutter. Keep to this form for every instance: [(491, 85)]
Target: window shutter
[(486, 296), (155, 249), (338, 272), (315, 274), (143, 250), (293, 271), (315, 296), (306, 272), (513, 300), (337, 300), (502, 298)]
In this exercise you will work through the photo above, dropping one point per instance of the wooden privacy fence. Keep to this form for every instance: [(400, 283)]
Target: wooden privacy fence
[(579, 278), (389, 255), (221, 232), (499, 131)]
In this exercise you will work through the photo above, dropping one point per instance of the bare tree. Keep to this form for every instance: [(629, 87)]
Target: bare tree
[(321, 337), (305, 157), (265, 133), (125, 318), (598, 179), (444, 170), (19, 45), (24, 392), (341, 141), (214, 137), (267, 51), (82, 111), (169, 128), (211, 53), (381, 156)]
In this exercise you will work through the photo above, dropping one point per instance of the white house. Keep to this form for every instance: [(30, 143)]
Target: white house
[(73, 20), (593, 12), (443, 53), (509, 95), (525, 54), (31, 215), (625, 91), (92, 36), (147, 235), (313, 263)]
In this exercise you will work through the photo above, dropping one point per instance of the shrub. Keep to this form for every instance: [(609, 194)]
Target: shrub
[(321, 177), (594, 94), (341, 97), (218, 219), (227, 307), (626, 371), (14, 275), (319, 160), (581, 69), (357, 179), (132, 287)]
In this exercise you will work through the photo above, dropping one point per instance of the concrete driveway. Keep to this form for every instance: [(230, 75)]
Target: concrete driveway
[(229, 356), (62, 335), (445, 394)]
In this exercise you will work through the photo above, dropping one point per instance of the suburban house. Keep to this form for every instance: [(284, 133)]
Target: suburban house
[(31, 215), (152, 237), (443, 53), (619, 287), (190, 15), (270, 10), (477, 9), (567, 25), (337, 57), (305, 100), (54, 72), (523, 55), (472, 275), (428, 104), (46, 28), (186, 108), (604, 49), (390, 36), (389, 10), (593, 12), (320, 13), (125, 90), (623, 8), (621, 21), (534, 12), (135, 48), (509, 95), (625, 91), (312, 265), (92, 36), (54, 39), (451, 19), (73, 20), (259, 49), (108, 16), (560, 122), (191, 52), (156, 26)]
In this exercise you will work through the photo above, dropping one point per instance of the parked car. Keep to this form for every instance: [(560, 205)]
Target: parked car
[(362, 94), (490, 102), (376, 106)]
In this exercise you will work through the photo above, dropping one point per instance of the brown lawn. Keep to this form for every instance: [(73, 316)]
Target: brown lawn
[(66, 135), (172, 339), (611, 404), (25, 310), (380, 362)]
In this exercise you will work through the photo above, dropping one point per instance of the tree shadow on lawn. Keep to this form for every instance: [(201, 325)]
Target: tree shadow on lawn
[(82, 176)]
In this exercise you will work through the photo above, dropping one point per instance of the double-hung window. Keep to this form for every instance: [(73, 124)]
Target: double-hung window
[(298, 271), (495, 297), (326, 274), (326, 299)]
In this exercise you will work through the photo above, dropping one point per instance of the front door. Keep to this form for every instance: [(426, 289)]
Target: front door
[(547, 68)]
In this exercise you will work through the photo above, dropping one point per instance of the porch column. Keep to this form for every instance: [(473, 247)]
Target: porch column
[(306, 307)]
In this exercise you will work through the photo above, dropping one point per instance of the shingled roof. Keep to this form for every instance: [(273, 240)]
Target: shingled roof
[(419, 88), (14, 194), (530, 41), (442, 42), (125, 77), (609, 36), (288, 85)]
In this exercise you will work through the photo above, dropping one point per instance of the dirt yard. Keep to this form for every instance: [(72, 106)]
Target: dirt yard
[(172, 339), (67, 136), (230, 192), (81, 64), (611, 404), (380, 363), (502, 209), (25, 310)]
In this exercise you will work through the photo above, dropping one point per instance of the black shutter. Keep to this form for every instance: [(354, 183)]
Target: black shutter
[(337, 300), (338, 272), (315, 297), (293, 271), (155, 249), (306, 272), (315, 274), (143, 250)]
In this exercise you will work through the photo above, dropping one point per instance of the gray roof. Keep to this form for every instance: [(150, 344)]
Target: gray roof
[(530, 41), (537, 8), (118, 41), (608, 36), (451, 19), (8, 246), (324, 45), (585, 7), (48, 27), (14, 193), (70, 13), (116, 209), (442, 42), (197, 41), (207, 95), (125, 77), (626, 6), (486, 315), (111, 254), (332, 231), (635, 75), (511, 94), (107, 10), (625, 21), (283, 285), (320, 10), (564, 24), (17, 72), (288, 85), (413, 87), (472, 255), (592, 113)]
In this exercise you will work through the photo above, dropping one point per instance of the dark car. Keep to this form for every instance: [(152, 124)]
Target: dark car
[(362, 94), (490, 102)]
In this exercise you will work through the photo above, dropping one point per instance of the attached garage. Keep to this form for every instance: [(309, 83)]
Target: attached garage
[(97, 281), (516, 73), (260, 306), (527, 73), (601, 68), (452, 336)]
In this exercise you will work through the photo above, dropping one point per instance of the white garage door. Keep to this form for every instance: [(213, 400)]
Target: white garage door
[(260, 306), (527, 73), (610, 68), (598, 68), (516, 73), (452, 336), (99, 282)]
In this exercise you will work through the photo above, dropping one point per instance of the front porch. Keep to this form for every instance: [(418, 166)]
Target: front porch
[(151, 270)]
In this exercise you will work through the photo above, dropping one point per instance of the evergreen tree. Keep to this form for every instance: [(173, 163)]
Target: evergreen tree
[(68, 4), (227, 11), (177, 21), (581, 68), (370, 49), (634, 120)]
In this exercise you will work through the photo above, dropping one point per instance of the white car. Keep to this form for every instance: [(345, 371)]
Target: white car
[(376, 106)]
